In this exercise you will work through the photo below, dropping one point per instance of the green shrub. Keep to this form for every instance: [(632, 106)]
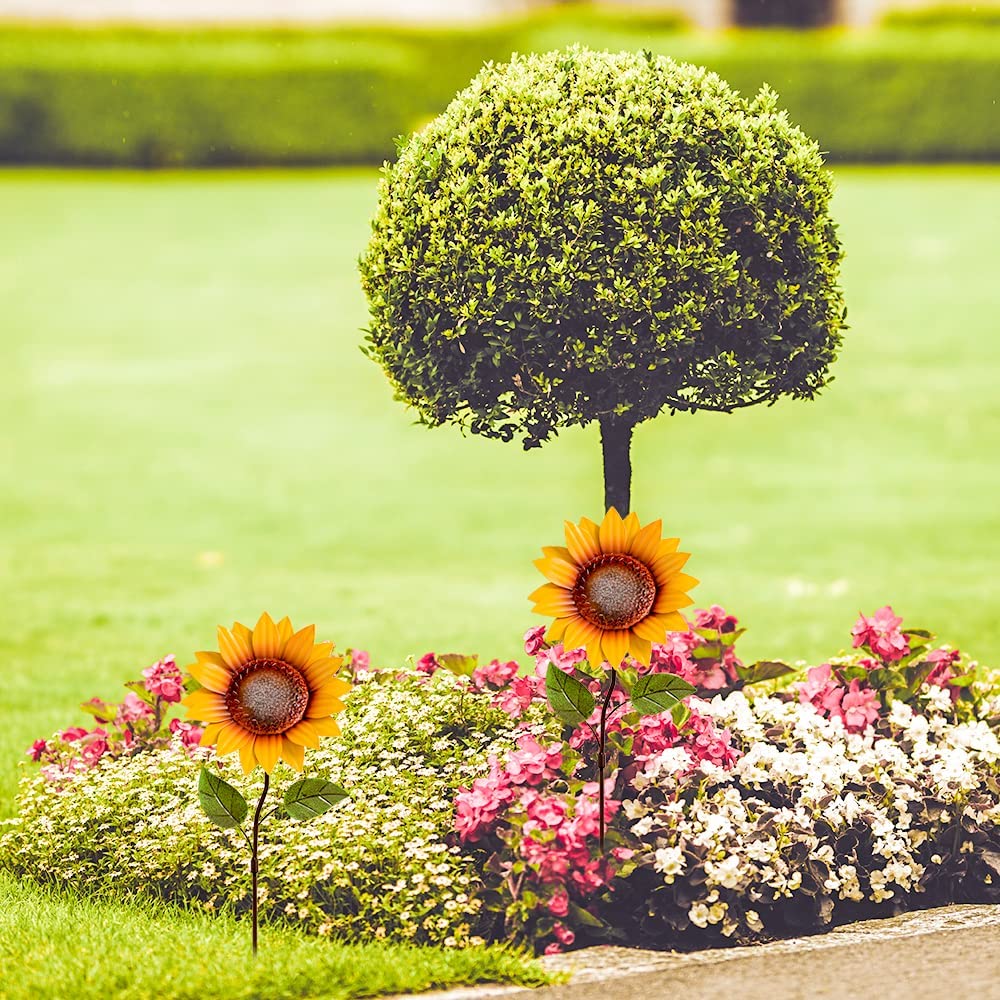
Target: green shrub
[(945, 16), (584, 236), (177, 98), (378, 864)]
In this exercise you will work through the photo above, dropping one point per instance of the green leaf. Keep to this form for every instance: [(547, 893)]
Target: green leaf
[(458, 664), (220, 802), (656, 693), (584, 918), (311, 797), (568, 698), (680, 713), (763, 670)]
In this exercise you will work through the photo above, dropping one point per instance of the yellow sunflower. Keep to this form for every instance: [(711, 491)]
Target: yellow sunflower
[(268, 693), (615, 588)]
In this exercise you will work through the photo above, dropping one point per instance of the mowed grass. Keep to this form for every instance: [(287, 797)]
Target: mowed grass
[(55, 945), (190, 435)]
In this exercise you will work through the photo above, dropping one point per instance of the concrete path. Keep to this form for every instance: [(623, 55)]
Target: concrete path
[(952, 952)]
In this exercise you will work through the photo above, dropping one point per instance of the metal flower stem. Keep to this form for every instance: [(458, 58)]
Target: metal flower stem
[(253, 855), (602, 757)]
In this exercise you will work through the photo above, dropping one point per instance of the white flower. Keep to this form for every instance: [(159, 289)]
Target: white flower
[(669, 861)]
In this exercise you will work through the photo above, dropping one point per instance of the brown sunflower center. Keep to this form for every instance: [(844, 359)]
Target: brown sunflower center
[(614, 591), (267, 697)]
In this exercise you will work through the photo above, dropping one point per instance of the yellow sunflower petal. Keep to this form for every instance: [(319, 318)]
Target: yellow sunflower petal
[(210, 734), (294, 753), (641, 649), (285, 630), (551, 599), (671, 600), (674, 621), (646, 544), (580, 633), (612, 533), (557, 630), (323, 703), (652, 627), (266, 643), (631, 528), (267, 750), (235, 649), (664, 567), (206, 706), (211, 676), (595, 655), (667, 546), (562, 572), (582, 540), (304, 732), (325, 726), (231, 737), (242, 632), (319, 672), (210, 656), (614, 643), (247, 757), (298, 649)]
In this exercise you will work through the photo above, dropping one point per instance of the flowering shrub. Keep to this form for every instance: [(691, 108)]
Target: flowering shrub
[(139, 723), (774, 802)]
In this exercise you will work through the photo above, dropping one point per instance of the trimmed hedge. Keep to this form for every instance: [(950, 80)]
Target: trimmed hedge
[(177, 98)]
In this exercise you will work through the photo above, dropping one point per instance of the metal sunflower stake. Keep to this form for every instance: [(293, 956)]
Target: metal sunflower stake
[(613, 589), (267, 693)]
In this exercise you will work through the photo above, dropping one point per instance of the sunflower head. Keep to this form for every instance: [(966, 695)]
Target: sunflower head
[(267, 693), (615, 588)]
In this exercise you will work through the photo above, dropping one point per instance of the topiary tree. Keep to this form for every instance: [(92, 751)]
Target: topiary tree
[(588, 236)]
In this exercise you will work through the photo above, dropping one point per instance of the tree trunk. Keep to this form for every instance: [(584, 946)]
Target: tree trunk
[(616, 443)]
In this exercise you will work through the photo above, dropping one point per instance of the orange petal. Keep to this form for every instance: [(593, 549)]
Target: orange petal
[(210, 656), (671, 600), (595, 657), (231, 737), (267, 750), (664, 567), (304, 732), (612, 532), (641, 649), (631, 528), (206, 706), (551, 599), (211, 676), (235, 649), (646, 544), (325, 726), (242, 632), (674, 621), (294, 753), (580, 633), (652, 627), (285, 630), (266, 644), (614, 643), (582, 541), (562, 572), (320, 672), (208, 737), (557, 629), (667, 547), (298, 649), (247, 757), (324, 702)]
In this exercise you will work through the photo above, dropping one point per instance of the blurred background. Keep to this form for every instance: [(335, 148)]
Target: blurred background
[(190, 434)]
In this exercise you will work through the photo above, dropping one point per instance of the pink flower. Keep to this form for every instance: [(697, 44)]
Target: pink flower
[(705, 742), (553, 949), (515, 698), (477, 808), (881, 634), (715, 617), (534, 640), (532, 763), (72, 734), (563, 934), (859, 708), (821, 690), (164, 679), (132, 709), (190, 734), (564, 659), (942, 673), (559, 902), (37, 749), (547, 810), (361, 663), (95, 746), (428, 664), (495, 674)]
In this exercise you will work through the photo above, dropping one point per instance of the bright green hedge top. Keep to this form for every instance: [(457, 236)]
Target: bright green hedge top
[(581, 233)]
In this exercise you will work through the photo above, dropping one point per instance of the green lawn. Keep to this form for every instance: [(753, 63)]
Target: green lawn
[(190, 435)]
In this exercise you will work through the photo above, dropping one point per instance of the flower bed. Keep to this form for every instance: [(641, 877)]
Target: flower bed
[(768, 805)]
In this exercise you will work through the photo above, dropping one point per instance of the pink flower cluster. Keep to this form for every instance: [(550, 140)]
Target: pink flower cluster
[(856, 705), (881, 634), (136, 723)]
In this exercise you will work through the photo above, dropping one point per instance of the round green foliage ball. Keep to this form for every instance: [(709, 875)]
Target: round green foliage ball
[(584, 234)]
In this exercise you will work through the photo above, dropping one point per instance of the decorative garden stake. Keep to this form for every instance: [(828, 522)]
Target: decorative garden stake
[(614, 589), (591, 236), (267, 693)]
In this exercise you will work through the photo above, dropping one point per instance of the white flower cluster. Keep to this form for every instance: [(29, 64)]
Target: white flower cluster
[(381, 862), (812, 818)]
